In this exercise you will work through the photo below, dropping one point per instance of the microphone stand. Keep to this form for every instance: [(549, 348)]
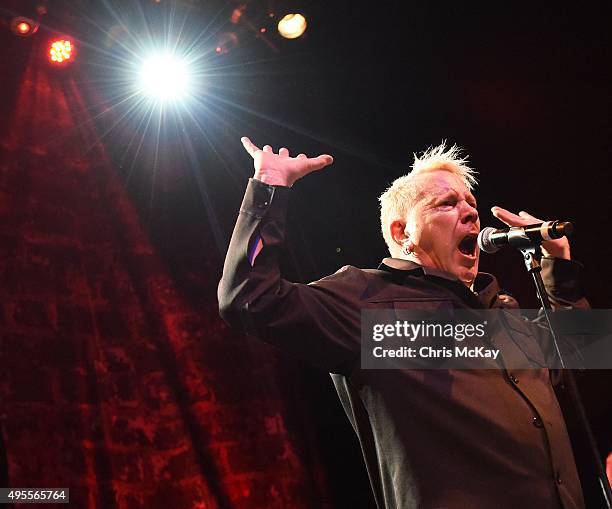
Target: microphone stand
[(534, 268)]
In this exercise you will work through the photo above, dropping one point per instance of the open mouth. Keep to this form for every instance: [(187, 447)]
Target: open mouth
[(467, 246)]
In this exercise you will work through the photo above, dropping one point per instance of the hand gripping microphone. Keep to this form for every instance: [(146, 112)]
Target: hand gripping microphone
[(491, 240)]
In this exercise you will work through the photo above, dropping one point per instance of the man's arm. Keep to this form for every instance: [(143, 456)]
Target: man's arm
[(558, 248), (562, 278), (561, 275), (317, 322)]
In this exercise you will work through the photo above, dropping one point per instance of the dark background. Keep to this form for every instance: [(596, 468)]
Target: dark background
[(93, 182)]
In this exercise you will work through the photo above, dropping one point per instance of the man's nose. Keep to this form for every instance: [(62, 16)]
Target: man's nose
[(469, 214)]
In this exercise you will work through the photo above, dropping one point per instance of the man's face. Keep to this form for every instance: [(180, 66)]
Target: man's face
[(443, 225)]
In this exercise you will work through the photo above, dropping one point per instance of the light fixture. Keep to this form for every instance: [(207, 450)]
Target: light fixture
[(164, 77), (23, 27), (61, 51), (292, 26)]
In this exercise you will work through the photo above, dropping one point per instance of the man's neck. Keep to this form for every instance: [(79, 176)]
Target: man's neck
[(414, 258)]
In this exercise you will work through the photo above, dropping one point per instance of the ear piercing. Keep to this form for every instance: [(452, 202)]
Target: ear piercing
[(407, 247)]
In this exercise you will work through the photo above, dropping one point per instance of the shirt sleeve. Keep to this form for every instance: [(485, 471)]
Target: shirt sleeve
[(563, 280), (318, 322)]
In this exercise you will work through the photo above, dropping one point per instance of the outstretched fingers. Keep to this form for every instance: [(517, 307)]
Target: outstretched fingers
[(316, 163), (249, 146), (529, 217), (521, 219), (290, 168), (505, 215)]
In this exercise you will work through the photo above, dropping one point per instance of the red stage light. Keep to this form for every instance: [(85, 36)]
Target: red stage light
[(23, 26), (61, 51)]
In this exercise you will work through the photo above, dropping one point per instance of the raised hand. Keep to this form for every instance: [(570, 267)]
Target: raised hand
[(558, 248), (281, 169)]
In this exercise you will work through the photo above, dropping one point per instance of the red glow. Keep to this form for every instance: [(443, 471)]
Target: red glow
[(237, 14), (23, 27), (226, 42), (61, 51)]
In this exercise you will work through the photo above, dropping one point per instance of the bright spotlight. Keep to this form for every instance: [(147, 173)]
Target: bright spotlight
[(61, 51), (164, 77), (292, 26), (23, 26)]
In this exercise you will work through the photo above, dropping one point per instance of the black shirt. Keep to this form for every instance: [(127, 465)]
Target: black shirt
[(430, 438)]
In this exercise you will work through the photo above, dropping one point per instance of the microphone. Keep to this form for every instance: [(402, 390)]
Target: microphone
[(491, 240)]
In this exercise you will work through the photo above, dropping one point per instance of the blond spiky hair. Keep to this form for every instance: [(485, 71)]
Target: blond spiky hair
[(399, 197)]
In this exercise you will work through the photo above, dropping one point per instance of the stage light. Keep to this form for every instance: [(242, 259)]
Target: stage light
[(24, 27), (292, 26), (164, 77), (61, 51)]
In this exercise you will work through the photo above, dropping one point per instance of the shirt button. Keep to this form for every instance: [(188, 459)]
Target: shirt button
[(537, 422), (559, 480), (514, 380)]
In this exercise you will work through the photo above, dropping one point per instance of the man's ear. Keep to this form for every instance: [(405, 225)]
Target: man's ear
[(398, 232)]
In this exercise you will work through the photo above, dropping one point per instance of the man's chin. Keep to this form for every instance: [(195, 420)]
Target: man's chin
[(467, 275), (466, 269)]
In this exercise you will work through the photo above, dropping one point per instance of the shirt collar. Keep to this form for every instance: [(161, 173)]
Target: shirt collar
[(486, 287)]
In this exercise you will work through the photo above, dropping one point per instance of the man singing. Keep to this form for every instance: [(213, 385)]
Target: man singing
[(432, 439)]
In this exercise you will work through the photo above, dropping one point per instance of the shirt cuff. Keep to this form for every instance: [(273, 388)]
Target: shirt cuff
[(263, 200)]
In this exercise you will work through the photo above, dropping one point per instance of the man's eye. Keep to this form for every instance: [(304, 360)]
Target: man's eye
[(450, 202)]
